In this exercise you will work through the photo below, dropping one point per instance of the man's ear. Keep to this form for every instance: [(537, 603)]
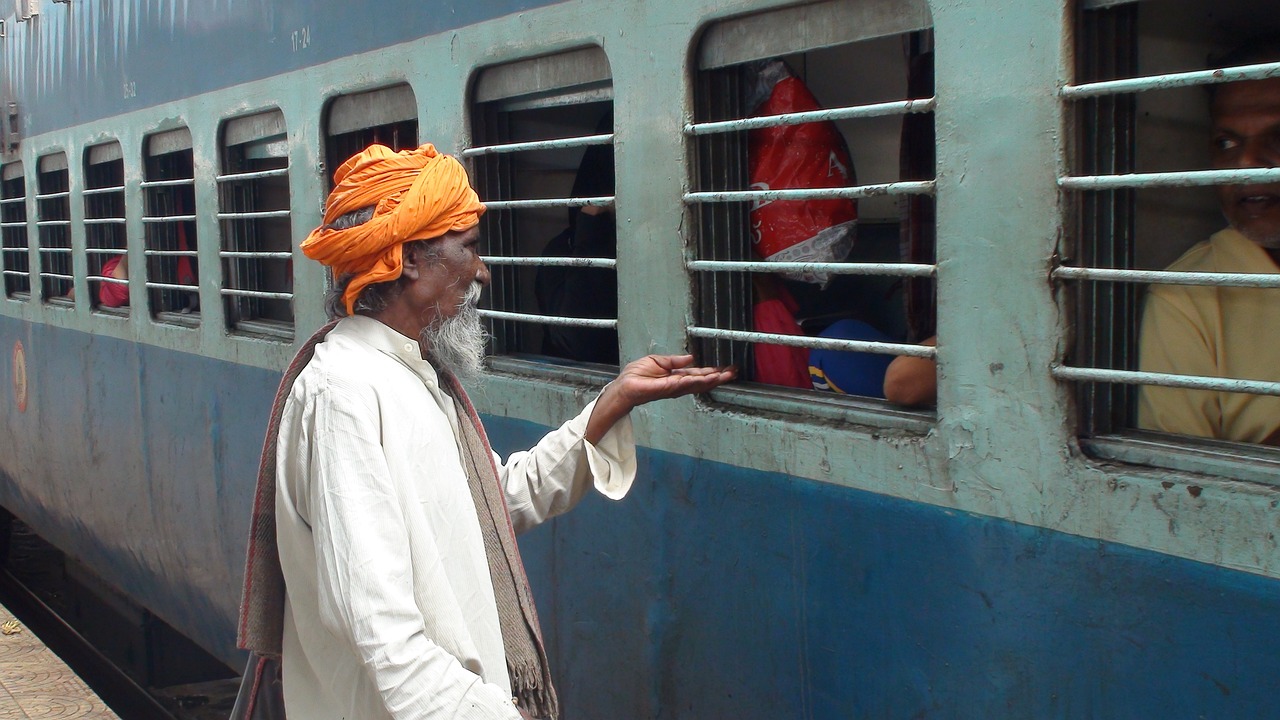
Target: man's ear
[(411, 263)]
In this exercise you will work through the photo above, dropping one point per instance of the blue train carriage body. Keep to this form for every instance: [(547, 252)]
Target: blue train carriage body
[(786, 553)]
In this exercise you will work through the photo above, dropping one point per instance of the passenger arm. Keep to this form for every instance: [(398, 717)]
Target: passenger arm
[(912, 380)]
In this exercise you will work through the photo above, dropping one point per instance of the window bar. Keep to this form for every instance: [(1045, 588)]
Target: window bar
[(60, 195), (1169, 81), (608, 263), (604, 201), (1166, 277), (266, 294), (1190, 382), (168, 218), (557, 144), (899, 107), (103, 190), (256, 175), (605, 324), (275, 255), (1185, 178), (836, 268), (493, 171), (171, 286), (724, 299), (253, 214), (161, 253), (103, 221), (180, 182), (1106, 125), (912, 187), (814, 343)]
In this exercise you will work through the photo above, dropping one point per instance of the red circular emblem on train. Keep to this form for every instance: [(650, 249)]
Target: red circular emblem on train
[(20, 376)]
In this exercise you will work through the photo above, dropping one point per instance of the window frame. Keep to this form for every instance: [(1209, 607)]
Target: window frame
[(577, 76), (1078, 281), (266, 128), (53, 229), (15, 227), (772, 33), (156, 193), (96, 196)]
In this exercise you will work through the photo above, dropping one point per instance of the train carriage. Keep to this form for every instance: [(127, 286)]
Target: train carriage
[(1022, 172)]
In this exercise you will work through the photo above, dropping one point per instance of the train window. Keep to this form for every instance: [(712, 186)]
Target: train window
[(809, 274), (104, 229), (13, 232), (257, 237), (53, 227), (542, 161), (1167, 297), (388, 116), (170, 228)]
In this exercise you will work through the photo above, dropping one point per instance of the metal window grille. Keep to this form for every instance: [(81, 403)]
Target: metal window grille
[(542, 130), (53, 225), (13, 233), (169, 227), (387, 116), (253, 214), (1111, 260), (104, 224), (893, 258)]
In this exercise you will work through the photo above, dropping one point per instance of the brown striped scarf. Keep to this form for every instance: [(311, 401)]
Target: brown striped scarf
[(261, 626)]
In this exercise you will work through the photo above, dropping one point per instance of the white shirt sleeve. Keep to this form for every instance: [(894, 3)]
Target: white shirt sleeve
[(554, 475), (365, 572)]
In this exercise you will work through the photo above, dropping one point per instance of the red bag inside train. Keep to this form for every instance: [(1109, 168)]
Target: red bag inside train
[(812, 155)]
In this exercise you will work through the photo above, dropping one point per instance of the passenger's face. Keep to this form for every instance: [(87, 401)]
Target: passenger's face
[(1246, 134)]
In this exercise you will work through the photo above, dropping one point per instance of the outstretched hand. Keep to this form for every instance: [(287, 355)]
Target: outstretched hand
[(653, 377)]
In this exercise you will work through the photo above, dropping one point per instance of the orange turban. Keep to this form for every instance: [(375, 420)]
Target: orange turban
[(416, 195)]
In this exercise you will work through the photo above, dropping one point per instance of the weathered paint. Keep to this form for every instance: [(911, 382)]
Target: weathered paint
[(711, 591), (139, 462), (715, 592)]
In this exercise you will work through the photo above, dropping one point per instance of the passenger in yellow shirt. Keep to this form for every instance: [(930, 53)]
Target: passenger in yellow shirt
[(1221, 331)]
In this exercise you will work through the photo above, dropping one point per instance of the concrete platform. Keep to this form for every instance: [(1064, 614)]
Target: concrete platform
[(35, 684)]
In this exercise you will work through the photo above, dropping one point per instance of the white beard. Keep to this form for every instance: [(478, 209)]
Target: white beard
[(458, 342)]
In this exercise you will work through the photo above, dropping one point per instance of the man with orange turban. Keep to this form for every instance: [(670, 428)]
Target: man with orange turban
[(383, 566)]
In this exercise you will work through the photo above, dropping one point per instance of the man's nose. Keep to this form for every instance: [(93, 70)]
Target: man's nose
[(482, 274)]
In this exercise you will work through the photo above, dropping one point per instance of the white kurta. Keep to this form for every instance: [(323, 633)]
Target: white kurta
[(389, 608)]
